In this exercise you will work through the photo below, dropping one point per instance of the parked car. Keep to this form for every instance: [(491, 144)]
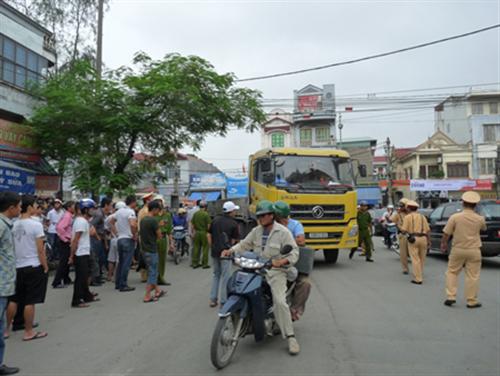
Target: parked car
[(490, 209), (426, 212), (377, 225)]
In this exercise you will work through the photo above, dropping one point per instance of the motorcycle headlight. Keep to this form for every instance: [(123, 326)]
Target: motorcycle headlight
[(249, 263), (353, 231)]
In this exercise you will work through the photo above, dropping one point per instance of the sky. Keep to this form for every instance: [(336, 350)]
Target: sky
[(253, 38)]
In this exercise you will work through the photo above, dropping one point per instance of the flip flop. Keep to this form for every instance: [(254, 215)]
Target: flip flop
[(161, 294), (6, 336), (152, 300), (36, 336)]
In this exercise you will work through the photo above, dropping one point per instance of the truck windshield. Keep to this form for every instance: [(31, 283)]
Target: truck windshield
[(313, 173)]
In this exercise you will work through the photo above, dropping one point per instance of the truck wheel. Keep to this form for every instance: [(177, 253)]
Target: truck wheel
[(331, 255)]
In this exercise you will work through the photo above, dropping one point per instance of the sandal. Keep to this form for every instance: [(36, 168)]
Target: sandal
[(162, 293), (151, 300), (36, 336), (81, 305)]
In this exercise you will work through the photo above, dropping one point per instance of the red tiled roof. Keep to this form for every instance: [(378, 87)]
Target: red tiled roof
[(403, 152), (379, 159)]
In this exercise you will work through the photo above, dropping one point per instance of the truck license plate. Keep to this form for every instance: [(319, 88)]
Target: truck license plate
[(318, 235)]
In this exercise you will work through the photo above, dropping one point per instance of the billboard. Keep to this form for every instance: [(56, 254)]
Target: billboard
[(205, 181), (20, 181), (450, 185), (237, 185)]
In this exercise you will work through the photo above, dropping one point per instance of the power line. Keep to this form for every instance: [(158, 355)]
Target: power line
[(347, 62)]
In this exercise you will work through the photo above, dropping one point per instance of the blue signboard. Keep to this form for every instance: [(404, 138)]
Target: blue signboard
[(237, 187), (212, 181), (20, 181)]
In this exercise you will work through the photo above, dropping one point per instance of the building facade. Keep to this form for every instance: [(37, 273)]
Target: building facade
[(474, 118), (26, 53)]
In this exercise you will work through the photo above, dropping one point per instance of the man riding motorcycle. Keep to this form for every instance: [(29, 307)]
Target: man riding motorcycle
[(267, 239), (302, 288)]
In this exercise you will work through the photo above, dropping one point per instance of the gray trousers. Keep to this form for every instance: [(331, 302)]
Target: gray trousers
[(276, 278)]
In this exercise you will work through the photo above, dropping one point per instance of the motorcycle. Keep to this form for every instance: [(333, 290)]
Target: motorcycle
[(393, 237), (181, 246), (249, 307)]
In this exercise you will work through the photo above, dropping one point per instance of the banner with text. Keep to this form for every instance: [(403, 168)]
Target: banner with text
[(450, 185), (15, 180)]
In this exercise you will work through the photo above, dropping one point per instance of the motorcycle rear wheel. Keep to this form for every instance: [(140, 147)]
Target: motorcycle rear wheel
[(223, 346)]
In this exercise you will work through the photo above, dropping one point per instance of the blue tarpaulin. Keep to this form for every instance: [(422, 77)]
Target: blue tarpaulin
[(205, 196), (371, 195)]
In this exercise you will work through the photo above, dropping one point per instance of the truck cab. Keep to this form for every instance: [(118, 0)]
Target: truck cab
[(318, 184)]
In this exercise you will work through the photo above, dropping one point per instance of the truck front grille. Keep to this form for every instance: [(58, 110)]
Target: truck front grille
[(317, 212)]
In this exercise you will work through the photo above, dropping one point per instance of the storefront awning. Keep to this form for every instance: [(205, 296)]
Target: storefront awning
[(206, 196)]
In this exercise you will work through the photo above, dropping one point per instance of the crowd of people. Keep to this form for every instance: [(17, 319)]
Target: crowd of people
[(102, 243)]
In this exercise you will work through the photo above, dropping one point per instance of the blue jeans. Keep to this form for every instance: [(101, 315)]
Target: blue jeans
[(3, 308), (151, 260), (222, 271), (126, 249)]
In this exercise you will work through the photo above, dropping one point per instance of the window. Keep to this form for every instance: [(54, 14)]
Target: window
[(436, 214), (434, 172), (423, 172), (306, 137), (18, 65), (489, 131), (493, 107), (278, 140), (8, 49), (487, 166), (451, 209), (477, 108), (322, 134), (458, 170)]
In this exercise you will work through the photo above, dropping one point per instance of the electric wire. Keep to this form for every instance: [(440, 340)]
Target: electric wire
[(370, 57)]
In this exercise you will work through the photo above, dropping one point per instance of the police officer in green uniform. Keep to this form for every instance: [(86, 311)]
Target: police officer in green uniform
[(165, 222), (365, 227), (200, 224)]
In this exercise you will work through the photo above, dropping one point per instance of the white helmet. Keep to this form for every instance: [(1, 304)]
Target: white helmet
[(390, 206), (120, 205)]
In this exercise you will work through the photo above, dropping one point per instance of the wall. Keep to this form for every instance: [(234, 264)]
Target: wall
[(454, 114)]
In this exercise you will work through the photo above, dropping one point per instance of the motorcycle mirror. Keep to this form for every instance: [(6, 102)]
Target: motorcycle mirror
[(287, 248)]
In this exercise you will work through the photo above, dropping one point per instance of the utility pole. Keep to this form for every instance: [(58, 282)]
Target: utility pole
[(497, 165), (175, 194), (388, 153), (100, 16), (340, 131)]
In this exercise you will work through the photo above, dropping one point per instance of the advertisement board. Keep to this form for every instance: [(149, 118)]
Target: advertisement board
[(237, 185), (15, 180), (450, 185), (205, 181)]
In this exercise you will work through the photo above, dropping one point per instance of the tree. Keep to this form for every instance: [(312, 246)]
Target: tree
[(93, 126)]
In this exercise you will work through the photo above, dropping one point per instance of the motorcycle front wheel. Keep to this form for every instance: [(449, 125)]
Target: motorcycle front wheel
[(177, 254), (223, 341)]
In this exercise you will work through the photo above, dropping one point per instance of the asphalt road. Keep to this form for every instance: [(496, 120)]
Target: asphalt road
[(362, 319)]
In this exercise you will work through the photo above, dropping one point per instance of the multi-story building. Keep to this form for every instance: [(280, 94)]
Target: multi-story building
[(312, 123), (26, 53), (473, 118)]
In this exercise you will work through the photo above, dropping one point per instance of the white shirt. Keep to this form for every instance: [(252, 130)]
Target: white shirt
[(122, 217), (54, 217), (82, 225), (26, 232)]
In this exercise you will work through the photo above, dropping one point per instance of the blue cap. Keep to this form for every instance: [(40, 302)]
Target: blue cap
[(363, 203)]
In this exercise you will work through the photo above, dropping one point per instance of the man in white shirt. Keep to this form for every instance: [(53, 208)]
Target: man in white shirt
[(31, 268), (53, 217), (80, 254), (124, 224)]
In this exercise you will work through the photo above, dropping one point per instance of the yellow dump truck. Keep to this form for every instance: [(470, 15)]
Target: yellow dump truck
[(319, 186)]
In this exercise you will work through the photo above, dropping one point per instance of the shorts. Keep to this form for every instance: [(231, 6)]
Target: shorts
[(113, 250), (151, 260), (31, 285)]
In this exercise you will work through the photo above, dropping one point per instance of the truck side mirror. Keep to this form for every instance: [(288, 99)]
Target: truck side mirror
[(268, 178), (265, 165), (362, 171)]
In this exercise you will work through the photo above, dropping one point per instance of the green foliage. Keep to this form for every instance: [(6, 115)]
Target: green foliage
[(92, 127)]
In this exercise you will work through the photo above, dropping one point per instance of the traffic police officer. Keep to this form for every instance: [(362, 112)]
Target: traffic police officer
[(465, 252), (398, 218), (365, 226), (201, 224), (416, 228)]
